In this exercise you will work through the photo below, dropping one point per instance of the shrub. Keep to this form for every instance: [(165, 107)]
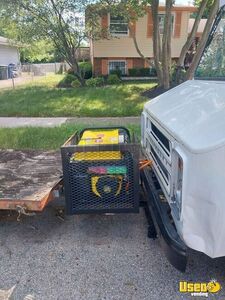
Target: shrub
[(113, 79), (153, 72), (67, 80), (145, 72), (133, 72), (86, 69), (70, 71), (94, 82), (117, 72), (75, 83), (139, 72), (173, 74)]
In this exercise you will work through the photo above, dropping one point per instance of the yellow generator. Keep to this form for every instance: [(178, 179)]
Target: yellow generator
[(100, 171)]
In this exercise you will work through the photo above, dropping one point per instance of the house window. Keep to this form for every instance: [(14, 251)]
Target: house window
[(118, 26), (117, 65), (161, 18)]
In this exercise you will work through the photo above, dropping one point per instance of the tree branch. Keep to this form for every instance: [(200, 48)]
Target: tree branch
[(166, 44), (156, 41), (133, 35), (202, 43), (190, 39)]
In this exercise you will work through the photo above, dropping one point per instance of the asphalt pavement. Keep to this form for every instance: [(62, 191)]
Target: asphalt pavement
[(93, 257)]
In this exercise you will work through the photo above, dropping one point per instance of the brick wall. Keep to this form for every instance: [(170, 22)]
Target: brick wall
[(138, 63), (101, 64), (97, 66)]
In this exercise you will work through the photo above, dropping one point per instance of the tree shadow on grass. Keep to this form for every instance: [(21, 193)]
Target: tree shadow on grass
[(121, 100)]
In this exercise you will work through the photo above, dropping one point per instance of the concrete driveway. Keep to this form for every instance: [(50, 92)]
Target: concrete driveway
[(12, 122), (92, 257)]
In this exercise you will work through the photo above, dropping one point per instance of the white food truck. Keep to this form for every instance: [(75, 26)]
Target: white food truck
[(183, 133)]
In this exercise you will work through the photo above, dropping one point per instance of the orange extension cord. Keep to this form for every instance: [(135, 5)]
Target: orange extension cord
[(144, 163)]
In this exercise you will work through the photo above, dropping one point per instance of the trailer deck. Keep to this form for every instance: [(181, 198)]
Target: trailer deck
[(28, 178)]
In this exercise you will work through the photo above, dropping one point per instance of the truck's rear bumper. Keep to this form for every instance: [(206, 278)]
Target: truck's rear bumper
[(174, 247)]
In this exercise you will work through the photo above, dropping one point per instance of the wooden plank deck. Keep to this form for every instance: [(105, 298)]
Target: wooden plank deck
[(28, 178)]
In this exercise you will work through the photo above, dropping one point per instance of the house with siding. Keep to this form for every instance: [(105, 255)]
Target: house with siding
[(118, 50), (9, 53)]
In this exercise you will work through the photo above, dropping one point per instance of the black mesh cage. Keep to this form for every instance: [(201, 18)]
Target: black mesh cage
[(101, 178)]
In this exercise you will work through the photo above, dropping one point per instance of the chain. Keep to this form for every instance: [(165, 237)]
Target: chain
[(22, 211)]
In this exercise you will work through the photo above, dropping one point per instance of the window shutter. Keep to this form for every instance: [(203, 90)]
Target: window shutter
[(129, 63), (147, 64), (132, 27), (105, 21), (104, 66), (149, 24), (105, 25), (177, 24)]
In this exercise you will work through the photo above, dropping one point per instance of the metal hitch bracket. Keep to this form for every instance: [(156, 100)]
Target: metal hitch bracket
[(160, 223)]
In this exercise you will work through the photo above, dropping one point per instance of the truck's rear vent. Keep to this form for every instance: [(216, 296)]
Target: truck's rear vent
[(160, 165), (162, 139)]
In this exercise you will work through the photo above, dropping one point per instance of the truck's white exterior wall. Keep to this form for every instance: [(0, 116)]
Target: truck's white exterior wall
[(203, 201), (193, 113), (191, 116), (8, 55)]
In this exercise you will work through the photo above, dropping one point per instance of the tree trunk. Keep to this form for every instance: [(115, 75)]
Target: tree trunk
[(161, 49), (79, 76), (72, 61), (81, 79), (137, 47), (202, 43), (166, 42), (156, 42), (189, 42)]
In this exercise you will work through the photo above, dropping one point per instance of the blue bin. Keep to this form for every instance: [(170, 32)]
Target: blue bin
[(11, 68)]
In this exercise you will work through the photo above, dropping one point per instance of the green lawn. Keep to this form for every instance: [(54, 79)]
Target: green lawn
[(43, 99), (40, 138)]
